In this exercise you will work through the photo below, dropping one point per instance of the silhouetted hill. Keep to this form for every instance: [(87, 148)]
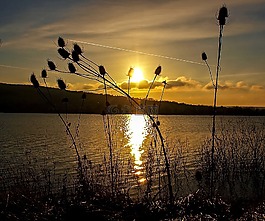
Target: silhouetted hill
[(26, 99)]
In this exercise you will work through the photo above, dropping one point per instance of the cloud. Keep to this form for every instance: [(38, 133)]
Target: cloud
[(81, 87), (183, 83), (241, 85), (144, 20), (229, 85), (142, 85), (257, 88), (180, 82), (181, 29)]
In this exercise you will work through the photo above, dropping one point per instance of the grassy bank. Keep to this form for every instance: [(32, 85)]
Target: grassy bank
[(32, 192)]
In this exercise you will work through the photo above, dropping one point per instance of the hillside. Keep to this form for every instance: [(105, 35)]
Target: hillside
[(26, 99)]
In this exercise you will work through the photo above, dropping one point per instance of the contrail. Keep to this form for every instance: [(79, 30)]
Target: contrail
[(7, 66), (137, 52)]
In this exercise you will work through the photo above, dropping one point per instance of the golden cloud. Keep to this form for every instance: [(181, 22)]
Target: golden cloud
[(240, 85)]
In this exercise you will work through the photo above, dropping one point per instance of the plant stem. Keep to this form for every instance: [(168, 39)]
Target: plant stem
[(149, 89), (129, 81), (160, 101), (214, 106), (65, 124), (170, 190), (109, 138), (133, 101)]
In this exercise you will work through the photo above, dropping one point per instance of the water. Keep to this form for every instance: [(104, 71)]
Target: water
[(42, 138), (45, 134)]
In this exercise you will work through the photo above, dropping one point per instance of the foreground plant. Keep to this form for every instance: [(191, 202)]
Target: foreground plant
[(65, 122), (92, 71), (222, 16), (239, 162), (157, 72)]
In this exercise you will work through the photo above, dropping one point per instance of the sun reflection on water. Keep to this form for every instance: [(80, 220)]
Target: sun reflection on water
[(137, 132)]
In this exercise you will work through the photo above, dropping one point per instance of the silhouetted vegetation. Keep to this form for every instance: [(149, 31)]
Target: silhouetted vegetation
[(230, 163)]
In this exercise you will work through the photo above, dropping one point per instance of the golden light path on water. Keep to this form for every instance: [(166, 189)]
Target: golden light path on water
[(136, 133)]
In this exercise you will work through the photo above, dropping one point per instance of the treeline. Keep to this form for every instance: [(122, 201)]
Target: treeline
[(187, 109), (26, 99)]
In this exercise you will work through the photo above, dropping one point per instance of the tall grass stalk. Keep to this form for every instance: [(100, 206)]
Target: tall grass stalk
[(239, 161)]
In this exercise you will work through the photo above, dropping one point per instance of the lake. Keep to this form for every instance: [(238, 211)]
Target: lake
[(42, 138)]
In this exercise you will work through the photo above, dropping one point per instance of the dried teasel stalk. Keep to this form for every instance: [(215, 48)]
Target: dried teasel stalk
[(102, 70), (44, 73), (130, 72), (223, 14), (51, 65), (65, 54), (75, 56), (204, 56), (158, 70), (61, 84), (34, 80), (61, 42), (83, 96), (78, 49), (71, 68)]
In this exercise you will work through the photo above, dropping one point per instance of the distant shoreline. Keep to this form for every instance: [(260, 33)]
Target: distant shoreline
[(25, 99)]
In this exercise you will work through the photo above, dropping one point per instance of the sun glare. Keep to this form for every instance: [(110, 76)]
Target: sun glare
[(137, 75), (137, 132)]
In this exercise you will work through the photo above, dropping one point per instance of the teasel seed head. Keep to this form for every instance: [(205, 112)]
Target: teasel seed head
[(204, 56), (223, 14), (61, 42), (75, 56), (84, 96), (61, 84), (102, 70), (44, 73), (164, 82), (198, 175), (130, 72), (158, 70), (65, 54), (71, 68), (34, 80), (78, 49), (51, 65)]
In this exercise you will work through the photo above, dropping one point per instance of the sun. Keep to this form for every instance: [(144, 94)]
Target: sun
[(137, 75)]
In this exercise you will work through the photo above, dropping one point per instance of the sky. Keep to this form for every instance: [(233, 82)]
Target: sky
[(143, 34)]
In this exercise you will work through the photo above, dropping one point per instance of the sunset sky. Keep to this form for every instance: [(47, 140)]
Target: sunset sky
[(170, 33)]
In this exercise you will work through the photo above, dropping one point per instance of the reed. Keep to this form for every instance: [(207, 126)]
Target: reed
[(239, 162)]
